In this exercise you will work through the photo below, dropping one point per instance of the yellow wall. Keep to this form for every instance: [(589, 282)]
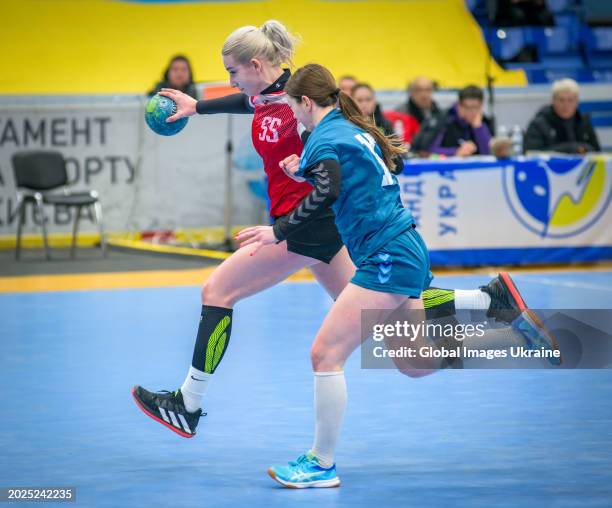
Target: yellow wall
[(105, 46)]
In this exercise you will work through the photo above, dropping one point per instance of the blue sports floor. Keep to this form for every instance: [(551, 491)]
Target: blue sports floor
[(532, 438)]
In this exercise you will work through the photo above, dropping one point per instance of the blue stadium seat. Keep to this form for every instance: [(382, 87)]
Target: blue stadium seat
[(506, 43), (598, 46), (557, 40), (569, 49), (557, 46), (571, 22)]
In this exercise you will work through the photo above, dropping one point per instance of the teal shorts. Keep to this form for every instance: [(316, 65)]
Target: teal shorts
[(401, 267)]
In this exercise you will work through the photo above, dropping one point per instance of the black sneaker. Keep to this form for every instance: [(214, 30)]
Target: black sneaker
[(168, 409), (506, 302)]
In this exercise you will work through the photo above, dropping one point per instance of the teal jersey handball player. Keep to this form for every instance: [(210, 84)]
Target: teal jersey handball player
[(347, 168), (348, 163), (374, 213), (369, 213)]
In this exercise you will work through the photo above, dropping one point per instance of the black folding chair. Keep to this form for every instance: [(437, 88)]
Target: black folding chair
[(37, 173)]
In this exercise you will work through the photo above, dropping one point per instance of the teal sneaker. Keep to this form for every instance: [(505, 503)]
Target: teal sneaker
[(536, 335), (305, 472)]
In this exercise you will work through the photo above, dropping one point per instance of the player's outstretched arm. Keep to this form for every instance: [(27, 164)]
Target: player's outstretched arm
[(236, 104), (188, 106), (327, 177)]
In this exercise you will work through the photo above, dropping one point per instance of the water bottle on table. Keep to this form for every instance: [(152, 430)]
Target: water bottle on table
[(517, 140)]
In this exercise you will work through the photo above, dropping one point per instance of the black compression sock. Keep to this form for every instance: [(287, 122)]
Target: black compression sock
[(213, 337)]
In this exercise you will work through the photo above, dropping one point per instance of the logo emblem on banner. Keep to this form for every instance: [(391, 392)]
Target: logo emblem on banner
[(559, 197)]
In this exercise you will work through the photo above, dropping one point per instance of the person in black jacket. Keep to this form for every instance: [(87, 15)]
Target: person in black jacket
[(178, 76), (560, 127), (421, 104)]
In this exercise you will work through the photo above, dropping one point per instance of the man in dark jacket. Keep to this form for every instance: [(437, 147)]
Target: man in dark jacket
[(420, 102), (420, 107), (560, 127), (462, 131)]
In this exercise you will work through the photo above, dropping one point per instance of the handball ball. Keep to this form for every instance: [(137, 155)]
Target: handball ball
[(158, 109)]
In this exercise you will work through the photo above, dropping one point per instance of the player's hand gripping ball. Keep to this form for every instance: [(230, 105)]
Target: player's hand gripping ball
[(158, 109)]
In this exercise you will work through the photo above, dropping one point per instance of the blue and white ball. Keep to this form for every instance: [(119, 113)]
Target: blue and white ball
[(158, 109)]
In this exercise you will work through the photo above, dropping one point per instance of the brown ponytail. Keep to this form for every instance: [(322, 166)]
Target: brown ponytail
[(317, 83)]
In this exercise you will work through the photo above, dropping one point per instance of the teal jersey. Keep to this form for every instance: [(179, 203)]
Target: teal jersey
[(369, 211)]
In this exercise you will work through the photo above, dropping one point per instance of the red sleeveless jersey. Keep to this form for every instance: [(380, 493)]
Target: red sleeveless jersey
[(275, 137)]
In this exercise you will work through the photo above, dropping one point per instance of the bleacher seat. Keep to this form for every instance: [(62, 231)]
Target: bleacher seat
[(555, 40), (568, 49), (557, 47), (598, 46), (571, 22), (506, 43)]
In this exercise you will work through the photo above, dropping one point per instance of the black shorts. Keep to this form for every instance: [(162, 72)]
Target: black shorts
[(319, 239)]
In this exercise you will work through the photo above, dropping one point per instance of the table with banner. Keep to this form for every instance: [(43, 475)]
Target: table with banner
[(540, 209)]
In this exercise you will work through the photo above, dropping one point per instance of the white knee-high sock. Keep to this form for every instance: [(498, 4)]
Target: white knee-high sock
[(472, 299), (330, 403), (194, 388)]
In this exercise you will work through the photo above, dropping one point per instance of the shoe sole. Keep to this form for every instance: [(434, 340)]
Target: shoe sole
[(548, 341), (530, 316), (513, 290), (316, 484), (158, 420)]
